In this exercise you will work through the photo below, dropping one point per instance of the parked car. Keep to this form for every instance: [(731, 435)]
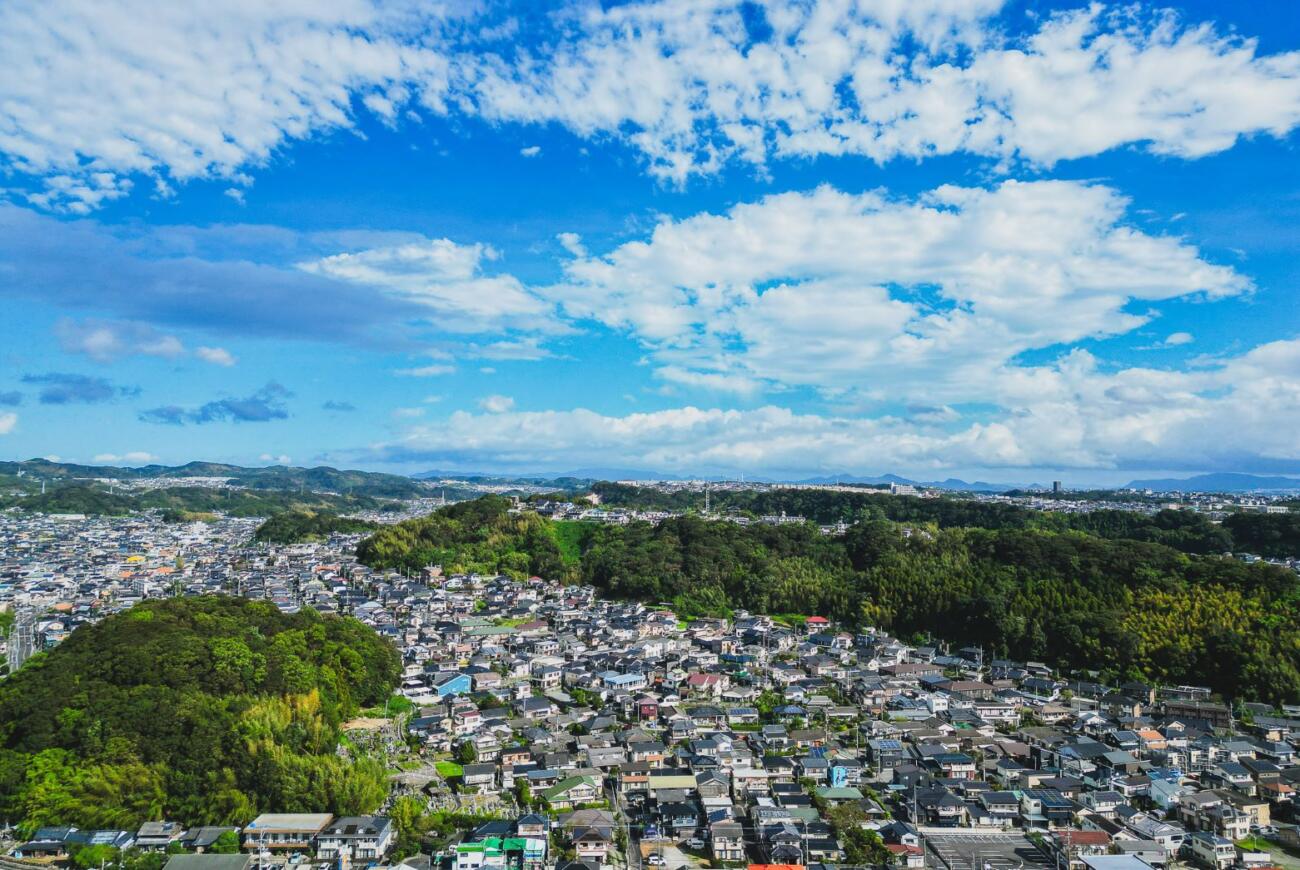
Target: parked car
[(695, 843), (655, 860)]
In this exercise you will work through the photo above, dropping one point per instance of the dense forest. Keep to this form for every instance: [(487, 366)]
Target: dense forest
[(1188, 531), (1271, 535), (297, 526), (1078, 600), (206, 710), (471, 536)]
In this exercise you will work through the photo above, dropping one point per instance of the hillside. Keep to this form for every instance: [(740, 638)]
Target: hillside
[(360, 483), (179, 501), (206, 710), (1077, 600), (297, 526), (1219, 482), (1275, 535), (472, 536)]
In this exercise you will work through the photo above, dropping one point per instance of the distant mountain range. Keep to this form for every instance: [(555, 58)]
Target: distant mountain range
[(951, 483), (1220, 482), (584, 476), (277, 477)]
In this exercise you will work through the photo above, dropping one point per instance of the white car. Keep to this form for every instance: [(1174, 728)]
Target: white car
[(655, 860)]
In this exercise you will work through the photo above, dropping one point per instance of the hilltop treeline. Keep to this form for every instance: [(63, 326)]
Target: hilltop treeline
[(1077, 600), (207, 710), (297, 526), (1276, 535), (472, 536), (1273, 535)]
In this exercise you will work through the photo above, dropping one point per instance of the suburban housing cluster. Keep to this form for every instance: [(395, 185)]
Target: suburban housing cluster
[(571, 731)]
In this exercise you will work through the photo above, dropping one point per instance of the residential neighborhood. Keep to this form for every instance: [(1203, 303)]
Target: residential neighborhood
[(564, 730)]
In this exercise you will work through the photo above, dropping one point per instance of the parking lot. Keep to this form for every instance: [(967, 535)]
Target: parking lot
[(986, 852)]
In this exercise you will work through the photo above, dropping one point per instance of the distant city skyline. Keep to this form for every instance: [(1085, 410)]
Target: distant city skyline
[(995, 241)]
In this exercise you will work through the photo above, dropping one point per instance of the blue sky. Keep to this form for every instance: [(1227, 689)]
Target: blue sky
[(1007, 240)]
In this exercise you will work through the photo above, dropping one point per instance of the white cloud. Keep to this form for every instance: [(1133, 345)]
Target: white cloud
[(530, 151), (496, 404), (407, 413), (687, 83), (886, 296), (1068, 414), (429, 371), (1178, 338), (572, 242), (98, 90), (134, 457), (445, 277), (108, 340), (97, 94), (8, 422), (282, 459), (521, 349), (218, 356)]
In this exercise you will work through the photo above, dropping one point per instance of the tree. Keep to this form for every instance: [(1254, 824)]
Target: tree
[(88, 857), (524, 794), (466, 752), (226, 844)]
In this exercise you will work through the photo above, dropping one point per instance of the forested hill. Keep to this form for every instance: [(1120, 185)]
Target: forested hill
[(1128, 608), (205, 710), (1273, 535)]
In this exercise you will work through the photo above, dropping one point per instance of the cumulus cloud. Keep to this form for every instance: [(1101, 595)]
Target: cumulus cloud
[(1177, 338), (1240, 412), (572, 242), (218, 356), (693, 85), (106, 340), (445, 277), (98, 90), (134, 457), (496, 404), (263, 406), (885, 295), (63, 388), (530, 151), (96, 96), (8, 422)]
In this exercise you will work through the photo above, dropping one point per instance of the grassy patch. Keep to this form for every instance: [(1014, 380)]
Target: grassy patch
[(1256, 844), (570, 536), (397, 705), (449, 769)]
